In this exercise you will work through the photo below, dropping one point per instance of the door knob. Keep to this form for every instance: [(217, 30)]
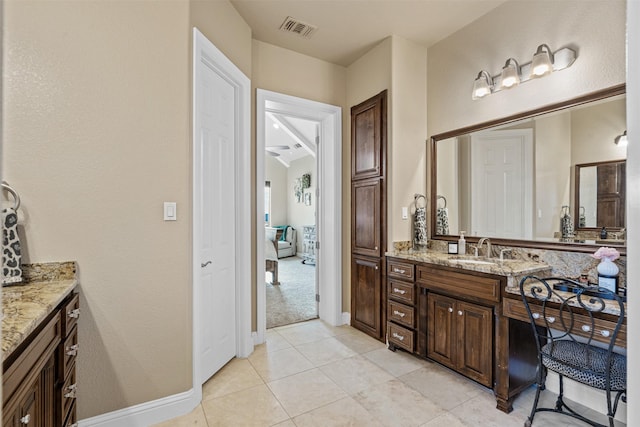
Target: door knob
[(203, 265)]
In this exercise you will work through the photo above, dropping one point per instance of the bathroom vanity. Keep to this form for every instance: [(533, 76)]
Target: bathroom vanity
[(39, 347), (449, 309)]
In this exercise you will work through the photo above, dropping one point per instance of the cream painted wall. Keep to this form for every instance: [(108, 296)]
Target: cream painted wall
[(552, 136), (299, 214), (633, 204), (96, 137), (407, 154), (514, 29), (593, 131), (276, 172), (284, 71)]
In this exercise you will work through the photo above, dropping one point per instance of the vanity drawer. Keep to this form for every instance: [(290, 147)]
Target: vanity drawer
[(70, 313), (401, 291), (69, 391), (400, 337), (459, 284), (401, 313), (69, 352), (515, 309), (401, 270)]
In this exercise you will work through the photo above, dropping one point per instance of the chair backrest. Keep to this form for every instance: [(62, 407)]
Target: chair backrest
[(563, 309)]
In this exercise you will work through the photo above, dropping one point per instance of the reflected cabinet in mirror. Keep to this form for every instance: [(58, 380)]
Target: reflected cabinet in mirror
[(518, 179)]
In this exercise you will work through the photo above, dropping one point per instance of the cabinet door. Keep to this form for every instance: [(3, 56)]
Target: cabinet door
[(474, 345), (440, 340), (366, 296), (27, 411), (368, 137), (365, 217)]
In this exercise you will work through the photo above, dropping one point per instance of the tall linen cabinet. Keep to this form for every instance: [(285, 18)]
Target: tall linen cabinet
[(369, 215)]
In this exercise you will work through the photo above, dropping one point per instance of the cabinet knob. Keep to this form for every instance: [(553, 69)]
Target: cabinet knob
[(26, 419), (74, 314), (605, 333), (72, 350), (551, 319), (586, 328), (375, 249), (450, 310), (535, 315), (399, 291), (460, 313), (399, 313), (72, 391), (398, 336)]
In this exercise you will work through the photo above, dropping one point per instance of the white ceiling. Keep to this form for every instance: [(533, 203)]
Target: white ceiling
[(346, 30), (349, 28)]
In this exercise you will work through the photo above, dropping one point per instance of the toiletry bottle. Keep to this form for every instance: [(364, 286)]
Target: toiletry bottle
[(462, 244), (603, 233)]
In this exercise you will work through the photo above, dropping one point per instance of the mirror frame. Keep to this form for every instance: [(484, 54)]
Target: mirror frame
[(576, 194), (432, 185)]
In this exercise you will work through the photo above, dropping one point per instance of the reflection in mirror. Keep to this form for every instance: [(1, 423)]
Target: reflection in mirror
[(510, 180), (600, 195)]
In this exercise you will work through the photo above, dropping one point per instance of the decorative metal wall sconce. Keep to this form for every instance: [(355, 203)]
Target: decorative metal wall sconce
[(543, 63)]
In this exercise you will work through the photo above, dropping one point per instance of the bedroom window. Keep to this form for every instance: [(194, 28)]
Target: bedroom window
[(267, 203)]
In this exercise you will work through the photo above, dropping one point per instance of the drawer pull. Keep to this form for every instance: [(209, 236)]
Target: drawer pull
[(551, 319), (398, 336), (535, 315), (397, 270), (399, 313), (605, 333), (72, 391), (26, 419), (399, 291), (586, 328), (450, 309), (376, 267), (74, 314), (72, 350), (460, 313)]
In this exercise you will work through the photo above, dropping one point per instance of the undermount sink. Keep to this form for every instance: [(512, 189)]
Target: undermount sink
[(473, 261)]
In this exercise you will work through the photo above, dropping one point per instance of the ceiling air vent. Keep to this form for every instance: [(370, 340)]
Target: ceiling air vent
[(302, 29)]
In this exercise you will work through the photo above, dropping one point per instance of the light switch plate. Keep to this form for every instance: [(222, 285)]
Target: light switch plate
[(405, 213), (170, 213)]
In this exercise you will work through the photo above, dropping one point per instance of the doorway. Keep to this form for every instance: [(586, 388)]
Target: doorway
[(291, 181), (327, 198)]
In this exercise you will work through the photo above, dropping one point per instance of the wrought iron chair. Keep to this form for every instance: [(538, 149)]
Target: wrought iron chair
[(562, 312)]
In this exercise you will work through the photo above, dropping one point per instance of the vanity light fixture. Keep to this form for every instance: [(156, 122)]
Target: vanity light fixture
[(510, 76), (544, 62), (482, 86), (621, 140)]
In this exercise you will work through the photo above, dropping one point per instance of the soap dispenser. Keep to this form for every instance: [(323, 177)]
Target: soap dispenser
[(462, 244)]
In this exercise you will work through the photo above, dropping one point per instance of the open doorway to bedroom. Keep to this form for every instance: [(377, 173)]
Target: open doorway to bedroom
[(290, 170)]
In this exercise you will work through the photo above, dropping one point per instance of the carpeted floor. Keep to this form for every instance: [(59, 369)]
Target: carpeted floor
[(294, 300)]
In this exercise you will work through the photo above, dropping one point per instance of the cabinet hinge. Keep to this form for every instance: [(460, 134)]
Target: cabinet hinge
[(317, 245), (317, 297)]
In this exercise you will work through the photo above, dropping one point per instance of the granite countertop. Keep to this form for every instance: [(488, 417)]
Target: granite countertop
[(611, 306), (512, 269), (26, 304)]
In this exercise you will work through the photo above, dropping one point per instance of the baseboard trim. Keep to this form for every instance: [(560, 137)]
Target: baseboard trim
[(148, 413), (346, 318)]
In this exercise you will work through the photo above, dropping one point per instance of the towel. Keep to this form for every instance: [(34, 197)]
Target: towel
[(442, 221), (11, 253), (420, 226), (284, 228)]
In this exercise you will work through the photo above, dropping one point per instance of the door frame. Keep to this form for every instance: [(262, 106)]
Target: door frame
[(205, 51), (328, 196)]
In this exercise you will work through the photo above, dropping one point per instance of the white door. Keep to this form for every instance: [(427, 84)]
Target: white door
[(502, 184), (216, 112)]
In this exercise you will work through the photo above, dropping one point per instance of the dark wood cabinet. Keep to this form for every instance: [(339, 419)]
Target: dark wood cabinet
[(36, 374), (366, 296), (365, 209), (368, 215), (611, 195)]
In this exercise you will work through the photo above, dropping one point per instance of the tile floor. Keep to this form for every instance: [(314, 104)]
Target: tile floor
[(313, 374)]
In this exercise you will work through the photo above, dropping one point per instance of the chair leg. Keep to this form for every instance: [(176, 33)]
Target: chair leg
[(559, 401), (540, 380)]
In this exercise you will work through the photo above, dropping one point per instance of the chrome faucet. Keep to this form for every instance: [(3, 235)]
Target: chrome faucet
[(483, 240)]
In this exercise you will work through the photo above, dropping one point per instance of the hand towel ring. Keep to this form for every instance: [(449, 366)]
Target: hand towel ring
[(443, 198), (416, 198), (14, 193)]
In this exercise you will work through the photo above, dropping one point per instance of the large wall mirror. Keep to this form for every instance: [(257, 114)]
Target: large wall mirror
[(514, 179)]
